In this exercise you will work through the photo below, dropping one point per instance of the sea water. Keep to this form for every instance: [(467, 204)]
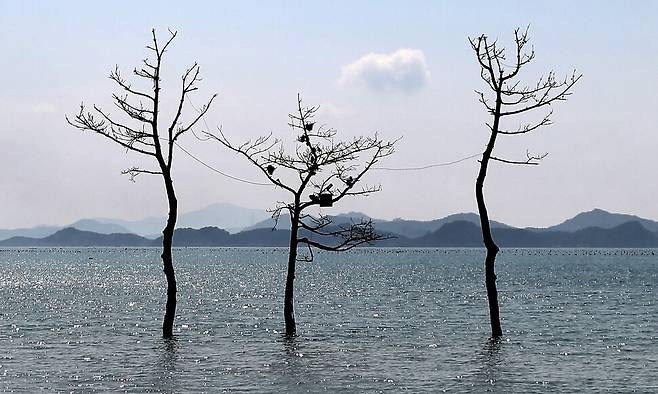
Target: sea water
[(369, 320)]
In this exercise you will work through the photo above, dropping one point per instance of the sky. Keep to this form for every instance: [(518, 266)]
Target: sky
[(401, 69)]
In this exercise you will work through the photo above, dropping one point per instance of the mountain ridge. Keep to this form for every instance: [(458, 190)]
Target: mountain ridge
[(231, 216), (459, 233), (601, 218), (402, 228)]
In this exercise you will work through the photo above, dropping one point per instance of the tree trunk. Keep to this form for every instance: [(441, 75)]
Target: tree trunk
[(167, 261), (288, 305), (492, 248), (492, 292)]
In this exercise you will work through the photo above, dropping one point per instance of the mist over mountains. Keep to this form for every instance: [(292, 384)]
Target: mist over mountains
[(400, 227), (231, 225), (227, 216)]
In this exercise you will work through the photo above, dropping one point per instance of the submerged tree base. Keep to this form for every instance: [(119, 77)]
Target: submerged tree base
[(492, 293)]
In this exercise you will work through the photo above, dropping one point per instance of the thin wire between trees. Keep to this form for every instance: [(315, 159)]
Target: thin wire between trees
[(418, 168), (449, 163), (218, 171)]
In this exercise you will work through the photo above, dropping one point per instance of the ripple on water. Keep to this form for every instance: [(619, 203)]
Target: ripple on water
[(368, 320)]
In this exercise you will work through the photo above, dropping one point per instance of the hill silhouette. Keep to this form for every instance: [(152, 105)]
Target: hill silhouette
[(467, 234), (401, 227), (233, 217), (459, 233), (74, 237), (602, 219)]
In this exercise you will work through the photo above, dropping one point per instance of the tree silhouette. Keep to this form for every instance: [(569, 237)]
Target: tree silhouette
[(142, 133), (317, 163), (510, 98)]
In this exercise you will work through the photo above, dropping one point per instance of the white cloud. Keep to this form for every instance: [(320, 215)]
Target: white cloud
[(403, 70), (332, 110)]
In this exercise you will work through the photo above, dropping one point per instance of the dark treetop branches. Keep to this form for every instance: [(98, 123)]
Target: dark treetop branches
[(140, 130), (321, 165), (511, 96)]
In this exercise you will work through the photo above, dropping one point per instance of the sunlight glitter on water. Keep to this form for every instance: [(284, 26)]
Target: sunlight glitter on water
[(369, 320)]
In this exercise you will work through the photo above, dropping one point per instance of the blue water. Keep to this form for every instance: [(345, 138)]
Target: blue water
[(370, 320)]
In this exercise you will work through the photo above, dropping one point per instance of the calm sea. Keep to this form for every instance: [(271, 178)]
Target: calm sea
[(81, 320)]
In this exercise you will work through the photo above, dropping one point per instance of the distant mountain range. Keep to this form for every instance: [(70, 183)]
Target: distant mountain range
[(231, 217), (403, 227), (602, 219), (595, 228), (466, 234)]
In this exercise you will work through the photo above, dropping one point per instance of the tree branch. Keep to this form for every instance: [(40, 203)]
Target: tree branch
[(528, 127), (85, 121), (133, 172), (531, 160), (348, 237), (546, 98), (251, 151)]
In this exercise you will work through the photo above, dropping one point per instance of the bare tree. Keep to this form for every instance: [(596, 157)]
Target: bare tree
[(142, 132), (318, 162), (510, 97)]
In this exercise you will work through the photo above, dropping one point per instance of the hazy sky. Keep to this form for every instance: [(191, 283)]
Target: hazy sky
[(398, 68)]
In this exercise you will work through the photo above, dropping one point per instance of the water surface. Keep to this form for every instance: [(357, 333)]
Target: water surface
[(368, 320)]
